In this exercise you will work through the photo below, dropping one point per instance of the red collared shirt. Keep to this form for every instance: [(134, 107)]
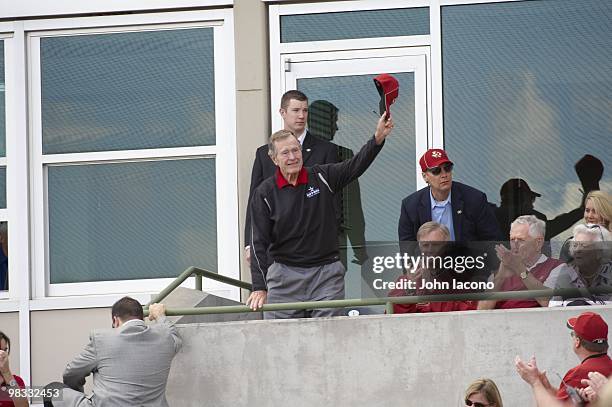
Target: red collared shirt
[(596, 363), (281, 182)]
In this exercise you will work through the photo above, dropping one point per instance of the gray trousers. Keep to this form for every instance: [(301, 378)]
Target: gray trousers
[(294, 284)]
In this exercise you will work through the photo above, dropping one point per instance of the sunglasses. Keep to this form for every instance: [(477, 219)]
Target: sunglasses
[(469, 402), (448, 167)]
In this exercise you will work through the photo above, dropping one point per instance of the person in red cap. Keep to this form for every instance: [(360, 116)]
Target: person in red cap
[(590, 343), (464, 210)]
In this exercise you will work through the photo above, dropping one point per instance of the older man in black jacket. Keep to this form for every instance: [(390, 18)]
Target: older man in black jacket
[(294, 232), (294, 111)]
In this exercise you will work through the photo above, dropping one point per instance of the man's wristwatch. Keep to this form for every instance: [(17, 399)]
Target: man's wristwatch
[(524, 274)]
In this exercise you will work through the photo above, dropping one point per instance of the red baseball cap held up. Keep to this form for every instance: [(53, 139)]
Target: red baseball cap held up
[(590, 327), (388, 88), (434, 157)]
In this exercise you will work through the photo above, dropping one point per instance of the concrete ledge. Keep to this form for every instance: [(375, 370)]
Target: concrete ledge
[(391, 360)]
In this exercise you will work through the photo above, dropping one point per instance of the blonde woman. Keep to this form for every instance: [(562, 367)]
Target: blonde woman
[(598, 209), (483, 393)]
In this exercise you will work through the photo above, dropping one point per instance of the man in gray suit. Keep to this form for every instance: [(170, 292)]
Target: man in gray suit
[(130, 363)]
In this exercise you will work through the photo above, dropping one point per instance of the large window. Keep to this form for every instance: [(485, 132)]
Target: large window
[(128, 91), (527, 93), (129, 156), (133, 220), (354, 24)]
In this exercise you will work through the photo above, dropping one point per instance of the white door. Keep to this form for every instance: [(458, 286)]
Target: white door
[(342, 83)]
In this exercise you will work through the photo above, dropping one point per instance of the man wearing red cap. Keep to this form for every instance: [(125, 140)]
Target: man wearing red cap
[(590, 343), (462, 209)]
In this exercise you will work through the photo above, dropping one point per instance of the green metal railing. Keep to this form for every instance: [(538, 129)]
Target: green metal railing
[(358, 302), (199, 273)]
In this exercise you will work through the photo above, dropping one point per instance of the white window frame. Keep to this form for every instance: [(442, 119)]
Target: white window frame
[(17, 299), (5, 37), (224, 151), (4, 212), (35, 8)]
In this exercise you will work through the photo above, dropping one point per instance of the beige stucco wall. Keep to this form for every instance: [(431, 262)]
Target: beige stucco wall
[(252, 97), (58, 336), (9, 324)]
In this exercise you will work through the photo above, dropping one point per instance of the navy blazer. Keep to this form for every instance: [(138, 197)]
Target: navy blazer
[(314, 151), (473, 217)]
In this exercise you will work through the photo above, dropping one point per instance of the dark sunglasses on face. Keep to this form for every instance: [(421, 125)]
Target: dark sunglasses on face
[(469, 402), (448, 167)]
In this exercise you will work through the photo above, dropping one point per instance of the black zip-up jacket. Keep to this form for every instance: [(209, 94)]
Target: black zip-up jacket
[(297, 225)]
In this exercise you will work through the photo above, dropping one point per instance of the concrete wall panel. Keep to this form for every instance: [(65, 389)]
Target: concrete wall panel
[(400, 360)]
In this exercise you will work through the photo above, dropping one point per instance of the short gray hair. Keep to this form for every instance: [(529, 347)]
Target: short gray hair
[(598, 232), (432, 226), (279, 135), (537, 227)]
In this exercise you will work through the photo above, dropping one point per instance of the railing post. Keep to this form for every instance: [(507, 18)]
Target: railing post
[(389, 308), (198, 281)]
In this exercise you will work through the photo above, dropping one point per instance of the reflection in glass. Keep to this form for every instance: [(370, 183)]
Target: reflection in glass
[(126, 91), (527, 93), (354, 24), (127, 221)]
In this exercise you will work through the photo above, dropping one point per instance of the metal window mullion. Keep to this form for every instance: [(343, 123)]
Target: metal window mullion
[(353, 5), (117, 22), (226, 164), (129, 155), (17, 188), (38, 175), (436, 138)]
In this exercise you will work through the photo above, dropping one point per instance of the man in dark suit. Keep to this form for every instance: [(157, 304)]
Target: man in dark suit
[(462, 209), (294, 111)]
